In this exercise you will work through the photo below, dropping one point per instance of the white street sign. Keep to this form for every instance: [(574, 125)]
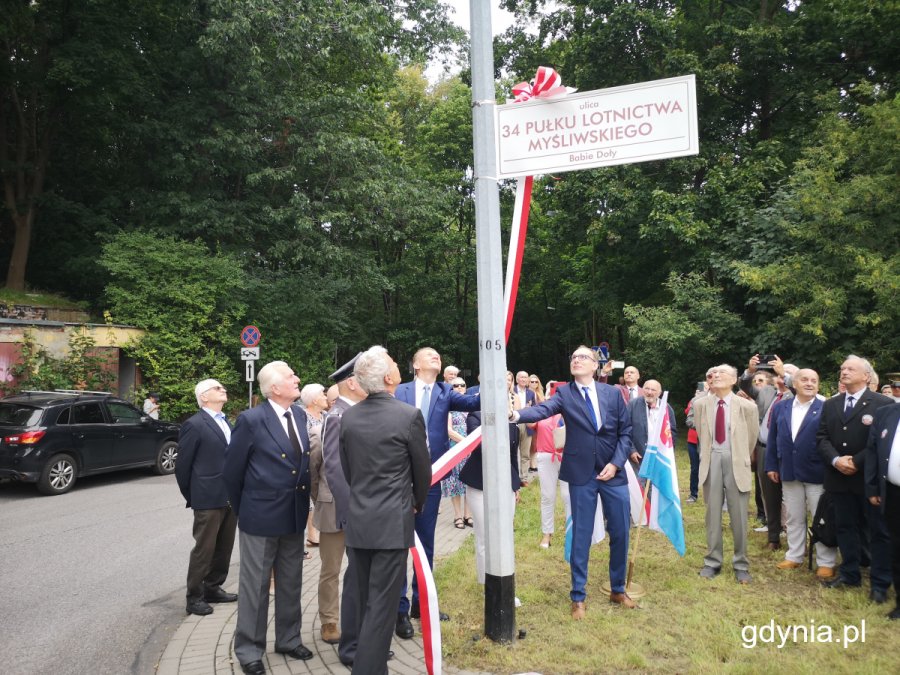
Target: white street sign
[(249, 353), (622, 125), (249, 371)]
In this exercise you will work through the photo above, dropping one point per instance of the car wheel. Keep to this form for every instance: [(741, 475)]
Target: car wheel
[(165, 459), (58, 475)]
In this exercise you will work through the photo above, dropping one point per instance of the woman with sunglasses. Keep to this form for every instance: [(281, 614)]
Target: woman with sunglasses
[(451, 486), (534, 383)]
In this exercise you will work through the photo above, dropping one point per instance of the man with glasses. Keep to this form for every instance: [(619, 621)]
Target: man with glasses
[(435, 400), (201, 456), (598, 437)]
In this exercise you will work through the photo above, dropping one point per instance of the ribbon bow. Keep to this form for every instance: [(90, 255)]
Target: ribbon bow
[(546, 84)]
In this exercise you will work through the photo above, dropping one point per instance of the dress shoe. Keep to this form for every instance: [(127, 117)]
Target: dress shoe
[(788, 565), (349, 662), (198, 607), (773, 546), (577, 610), (404, 628), (623, 599), (253, 668), (825, 572), (894, 614), (878, 596), (330, 633), (742, 577), (299, 652), (839, 583), (218, 595), (691, 500), (709, 572)]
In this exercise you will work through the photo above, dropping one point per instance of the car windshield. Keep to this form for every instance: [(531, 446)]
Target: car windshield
[(19, 415)]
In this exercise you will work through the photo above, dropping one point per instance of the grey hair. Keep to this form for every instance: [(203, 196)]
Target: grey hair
[(204, 386), (371, 368), (269, 375), (309, 393), (870, 371), (729, 368)]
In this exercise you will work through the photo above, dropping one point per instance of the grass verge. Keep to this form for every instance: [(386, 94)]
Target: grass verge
[(685, 624)]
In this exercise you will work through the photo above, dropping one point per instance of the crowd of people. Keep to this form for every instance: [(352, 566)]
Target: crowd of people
[(349, 471)]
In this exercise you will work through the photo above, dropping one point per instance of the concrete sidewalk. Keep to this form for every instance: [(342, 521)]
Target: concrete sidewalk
[(203, 644)]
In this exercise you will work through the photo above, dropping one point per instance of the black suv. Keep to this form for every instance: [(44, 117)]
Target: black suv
[(53, 437)]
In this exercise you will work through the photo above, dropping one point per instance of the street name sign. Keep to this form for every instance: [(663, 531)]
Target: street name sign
[(621, 125)]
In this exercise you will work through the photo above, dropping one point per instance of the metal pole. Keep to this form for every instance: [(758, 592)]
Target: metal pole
[(499, 588)]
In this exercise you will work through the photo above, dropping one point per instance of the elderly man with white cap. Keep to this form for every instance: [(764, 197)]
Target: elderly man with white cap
[(201, 457)]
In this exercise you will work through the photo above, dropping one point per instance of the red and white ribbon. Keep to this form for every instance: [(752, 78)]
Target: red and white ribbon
[(546, 84)]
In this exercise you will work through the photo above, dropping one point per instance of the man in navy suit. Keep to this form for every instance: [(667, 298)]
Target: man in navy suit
[(883, 482), (842, 438), (598, 438), (645, 412), (435, 400), (201, 457), (268, 481), (793, 462)]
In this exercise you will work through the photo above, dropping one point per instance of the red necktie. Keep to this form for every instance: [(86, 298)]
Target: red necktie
[(720, 423)]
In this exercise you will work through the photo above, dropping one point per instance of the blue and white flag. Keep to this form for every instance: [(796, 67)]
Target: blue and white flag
[(659, 467)]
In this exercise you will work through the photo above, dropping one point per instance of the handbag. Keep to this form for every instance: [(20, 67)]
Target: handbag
[(559, 436)]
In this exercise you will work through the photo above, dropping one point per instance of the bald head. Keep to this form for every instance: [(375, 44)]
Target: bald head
[(652, 392), (806, 384)]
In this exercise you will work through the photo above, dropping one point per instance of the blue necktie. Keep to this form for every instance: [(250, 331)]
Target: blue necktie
[(848, 406), (223, 424), (426, 403), (590, 407)]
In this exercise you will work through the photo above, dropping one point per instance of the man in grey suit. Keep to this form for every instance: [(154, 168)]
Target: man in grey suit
[(385, 459), (332, 494), (267, 477), (766, 397), (646, 413)]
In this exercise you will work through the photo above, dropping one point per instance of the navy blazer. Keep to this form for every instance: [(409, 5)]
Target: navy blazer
[(472, 473), (838, 436), (201, 457), (443, 400), (639, 431), (267, 483), (795, 458), (583, 441), (878, 449)]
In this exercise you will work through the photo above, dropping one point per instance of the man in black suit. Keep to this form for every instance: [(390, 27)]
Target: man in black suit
[(385, 459), (201, 457), (883, 482), (267, 475), (841, 440)]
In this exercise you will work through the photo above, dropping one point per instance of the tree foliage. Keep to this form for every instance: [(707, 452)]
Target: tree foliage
[(294, 153)]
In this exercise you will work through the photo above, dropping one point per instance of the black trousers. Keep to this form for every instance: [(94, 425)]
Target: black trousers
[(892, 520), (211, 555), (380, 574), (771, 495)]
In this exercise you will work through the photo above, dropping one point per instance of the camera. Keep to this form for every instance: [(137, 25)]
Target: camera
[(764, 362)]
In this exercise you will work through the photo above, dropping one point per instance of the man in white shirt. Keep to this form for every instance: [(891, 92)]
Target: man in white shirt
[(793, 461)]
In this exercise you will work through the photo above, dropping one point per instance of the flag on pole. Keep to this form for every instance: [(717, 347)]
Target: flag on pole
[(659, 467)]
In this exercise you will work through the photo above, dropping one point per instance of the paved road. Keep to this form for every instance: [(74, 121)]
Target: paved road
[(93, 580)]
